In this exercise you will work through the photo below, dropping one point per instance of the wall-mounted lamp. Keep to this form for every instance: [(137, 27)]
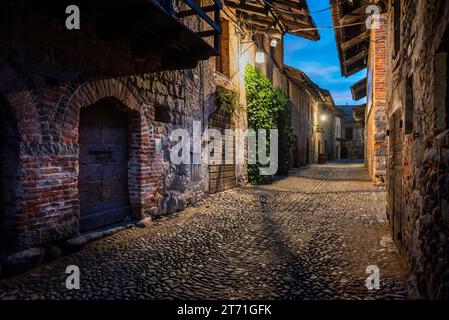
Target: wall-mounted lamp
[(274, 43), (323, 117), (260, 56)]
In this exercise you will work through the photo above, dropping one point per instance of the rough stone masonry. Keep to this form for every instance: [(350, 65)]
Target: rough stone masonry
[(45, 172)]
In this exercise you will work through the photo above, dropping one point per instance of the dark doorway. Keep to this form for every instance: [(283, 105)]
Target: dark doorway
[(9, 175), (395, 208), (344, 152), (296, 163), (103, 165), (307, 151)]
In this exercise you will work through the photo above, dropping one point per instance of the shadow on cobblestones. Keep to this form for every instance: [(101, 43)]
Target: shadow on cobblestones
[(308, 236)]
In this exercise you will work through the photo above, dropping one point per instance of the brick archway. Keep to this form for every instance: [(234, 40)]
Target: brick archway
[(142, 160), (93, 91)]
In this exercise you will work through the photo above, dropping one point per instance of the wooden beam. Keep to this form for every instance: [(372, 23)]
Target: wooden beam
[(187, 13), (203, 15), (364, 36), (207, 33), (297, 24), (362, 54), (353, 16), (247, 8), (354, 70), (259, 21), (290, 4)]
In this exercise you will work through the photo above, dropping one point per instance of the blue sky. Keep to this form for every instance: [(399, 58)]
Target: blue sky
[(319, 59)]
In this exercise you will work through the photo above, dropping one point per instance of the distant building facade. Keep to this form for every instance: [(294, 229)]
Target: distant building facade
[(313, 119), (352, 134)]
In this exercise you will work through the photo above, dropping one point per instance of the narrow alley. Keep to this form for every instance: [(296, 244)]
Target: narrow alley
[(308, 236)]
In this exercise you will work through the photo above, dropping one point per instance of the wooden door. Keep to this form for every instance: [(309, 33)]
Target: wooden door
[(222, 176), (395, 207), (103, 167)]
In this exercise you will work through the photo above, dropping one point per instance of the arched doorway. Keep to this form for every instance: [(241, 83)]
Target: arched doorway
[(9, 174), (103, 164)]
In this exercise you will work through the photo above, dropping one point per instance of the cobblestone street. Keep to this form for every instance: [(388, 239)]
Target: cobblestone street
[(308, 236)]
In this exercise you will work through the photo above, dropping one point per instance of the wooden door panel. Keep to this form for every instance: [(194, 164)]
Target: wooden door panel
[(103, 176), (222, 176)]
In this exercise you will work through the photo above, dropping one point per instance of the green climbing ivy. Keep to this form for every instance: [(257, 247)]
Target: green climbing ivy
[(227, 99), (268, 108)]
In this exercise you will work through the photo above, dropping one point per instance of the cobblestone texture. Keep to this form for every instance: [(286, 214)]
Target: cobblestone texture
[(308, 236)]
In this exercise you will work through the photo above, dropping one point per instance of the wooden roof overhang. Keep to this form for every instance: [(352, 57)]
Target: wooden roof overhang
[(359, 113), (277, 17), (329, 101), (302, 80), (351, 34), (358, 89), (121, 37)]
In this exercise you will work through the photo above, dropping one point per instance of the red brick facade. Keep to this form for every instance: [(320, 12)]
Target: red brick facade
[(46, 113), (376, 133)]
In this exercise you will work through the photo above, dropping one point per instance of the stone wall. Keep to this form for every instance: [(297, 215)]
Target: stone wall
[(46, 102), (425, 157), (300, 104)]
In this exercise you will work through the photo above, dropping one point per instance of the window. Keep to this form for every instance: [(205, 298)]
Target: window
[(397, 26), (409, 108), (348, 134), (442, 85)]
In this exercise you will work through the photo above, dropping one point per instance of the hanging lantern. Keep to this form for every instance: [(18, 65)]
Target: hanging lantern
[(260, 56)]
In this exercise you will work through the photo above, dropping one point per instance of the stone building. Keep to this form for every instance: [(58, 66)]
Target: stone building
[(352, 133), (418, 139), (312, 119), (252, 35), (338, 137), (360, 47), (325, 130), (87, 119), (407, 125), (87, 114)]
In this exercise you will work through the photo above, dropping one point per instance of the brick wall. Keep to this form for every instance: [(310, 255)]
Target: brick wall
[(376, 142), (46, 100)]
